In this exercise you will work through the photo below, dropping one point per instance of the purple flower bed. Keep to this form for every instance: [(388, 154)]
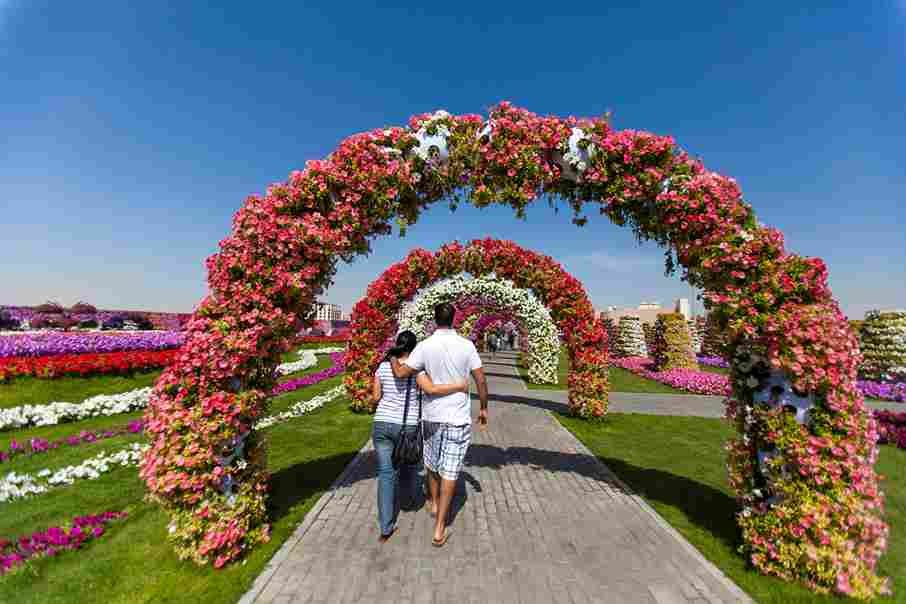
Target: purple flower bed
[(879, 390), (891, 428), (313, 378), (53, 540), (37, 446), (883, 390), (713, 362), (690, 380), (56, 343)]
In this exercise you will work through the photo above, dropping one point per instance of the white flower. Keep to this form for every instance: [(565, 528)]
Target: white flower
[(544, 341)]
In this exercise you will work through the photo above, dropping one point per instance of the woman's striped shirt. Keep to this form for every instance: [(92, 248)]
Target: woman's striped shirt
[(393, 397)]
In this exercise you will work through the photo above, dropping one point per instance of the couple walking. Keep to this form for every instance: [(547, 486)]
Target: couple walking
[(440, 367)]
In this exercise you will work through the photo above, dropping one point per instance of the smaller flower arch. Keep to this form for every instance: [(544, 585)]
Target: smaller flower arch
[(374, 317), (544, 344)]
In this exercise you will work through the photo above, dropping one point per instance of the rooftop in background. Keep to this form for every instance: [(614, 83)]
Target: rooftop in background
[(647, 312)]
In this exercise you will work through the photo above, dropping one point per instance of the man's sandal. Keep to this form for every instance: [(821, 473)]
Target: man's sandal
[(443, 541)]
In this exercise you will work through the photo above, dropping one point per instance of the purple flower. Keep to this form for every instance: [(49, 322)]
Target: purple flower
[(55, 343)]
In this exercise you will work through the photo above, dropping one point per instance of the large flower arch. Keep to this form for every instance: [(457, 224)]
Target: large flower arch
[(812, 507), (374, 316), (544, 343)]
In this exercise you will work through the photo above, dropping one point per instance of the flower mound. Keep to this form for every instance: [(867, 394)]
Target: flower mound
[(802, 467), (673, 343), (690, 380), (630, 340), (883, 342)]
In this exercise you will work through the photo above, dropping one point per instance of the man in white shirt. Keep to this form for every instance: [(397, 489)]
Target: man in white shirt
[(447, 358)]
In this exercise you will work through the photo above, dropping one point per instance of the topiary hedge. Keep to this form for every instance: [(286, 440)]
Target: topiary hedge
[(883, 344), (630, 340), (672, 343)]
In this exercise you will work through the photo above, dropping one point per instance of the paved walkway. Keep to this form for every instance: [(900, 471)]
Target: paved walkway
[(537, 518)]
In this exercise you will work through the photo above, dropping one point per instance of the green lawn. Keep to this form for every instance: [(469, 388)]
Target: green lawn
[(133, 562), (620, 380), (678, 465), (34, 391)]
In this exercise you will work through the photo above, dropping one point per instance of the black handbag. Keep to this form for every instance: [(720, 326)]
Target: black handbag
[(408, 448)]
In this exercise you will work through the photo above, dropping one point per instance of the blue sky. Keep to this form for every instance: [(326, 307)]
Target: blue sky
[(131, 132)]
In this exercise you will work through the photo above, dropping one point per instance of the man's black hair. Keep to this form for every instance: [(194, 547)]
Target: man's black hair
[(443, 314)]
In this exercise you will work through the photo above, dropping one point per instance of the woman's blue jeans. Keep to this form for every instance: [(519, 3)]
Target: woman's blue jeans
[(385, 435)]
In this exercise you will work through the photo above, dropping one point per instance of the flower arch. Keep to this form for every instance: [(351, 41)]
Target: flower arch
[(373, 317), (808, 512), (544, 343)]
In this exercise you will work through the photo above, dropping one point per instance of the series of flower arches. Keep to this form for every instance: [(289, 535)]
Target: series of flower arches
[(811, 505), (543, 341), (562, 298)]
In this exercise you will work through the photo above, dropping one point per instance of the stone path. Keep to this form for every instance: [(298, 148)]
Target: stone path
[(537, 518)]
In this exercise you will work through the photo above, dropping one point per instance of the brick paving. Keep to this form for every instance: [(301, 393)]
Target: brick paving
[(537, 519)]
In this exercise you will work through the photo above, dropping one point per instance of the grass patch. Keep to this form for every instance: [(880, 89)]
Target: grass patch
[(133, 562), (678, 465), (34, 391), (621, 380)]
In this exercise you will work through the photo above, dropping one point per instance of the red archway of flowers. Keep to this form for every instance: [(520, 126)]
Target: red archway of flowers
[(374, 316), (811, 507)]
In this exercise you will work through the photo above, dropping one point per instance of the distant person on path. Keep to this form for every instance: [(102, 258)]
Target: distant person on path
[(447, 358), (511, 340), (492, 344), (389, 394)]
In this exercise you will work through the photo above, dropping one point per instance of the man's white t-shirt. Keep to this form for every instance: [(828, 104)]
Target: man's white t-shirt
[(447, 358)]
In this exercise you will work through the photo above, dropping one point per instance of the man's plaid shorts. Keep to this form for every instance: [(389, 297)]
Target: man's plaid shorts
[(445, 448)]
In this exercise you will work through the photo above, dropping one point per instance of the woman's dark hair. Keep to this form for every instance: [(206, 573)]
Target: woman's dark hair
[(405, 343)]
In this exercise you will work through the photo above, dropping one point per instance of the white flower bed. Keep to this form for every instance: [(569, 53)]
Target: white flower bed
[(15, 486), (18, 486), (695, 335), (544, 343), (301, 408), (104, 405), (630, 338)]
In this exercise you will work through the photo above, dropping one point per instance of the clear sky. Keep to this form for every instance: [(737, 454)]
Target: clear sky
[(131, 131)]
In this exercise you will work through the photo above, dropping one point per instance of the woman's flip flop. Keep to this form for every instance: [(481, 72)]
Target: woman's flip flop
[(443, 541)]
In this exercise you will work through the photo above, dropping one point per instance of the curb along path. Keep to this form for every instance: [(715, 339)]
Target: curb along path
[(537, 519)]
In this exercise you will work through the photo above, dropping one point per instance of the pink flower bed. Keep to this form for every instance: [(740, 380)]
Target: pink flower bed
[(690, 380), (53, 540)]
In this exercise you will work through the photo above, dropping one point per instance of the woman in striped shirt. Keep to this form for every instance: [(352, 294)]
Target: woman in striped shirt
[(389, 394)]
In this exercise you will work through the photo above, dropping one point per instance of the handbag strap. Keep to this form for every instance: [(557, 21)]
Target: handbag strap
[(406, 407)]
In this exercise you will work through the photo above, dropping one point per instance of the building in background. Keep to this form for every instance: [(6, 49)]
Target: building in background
[(325, 311), (647, 312)]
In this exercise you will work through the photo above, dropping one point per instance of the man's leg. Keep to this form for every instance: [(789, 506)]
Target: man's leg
[(447, 488), (433, 490)]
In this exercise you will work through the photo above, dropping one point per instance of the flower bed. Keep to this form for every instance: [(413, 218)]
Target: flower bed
[(883, 390), (51, 541), (689, 380), (38, 446), (48, 367), (712, 361), (37, 344), (336, 339), (103, 405), (15, 486)]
